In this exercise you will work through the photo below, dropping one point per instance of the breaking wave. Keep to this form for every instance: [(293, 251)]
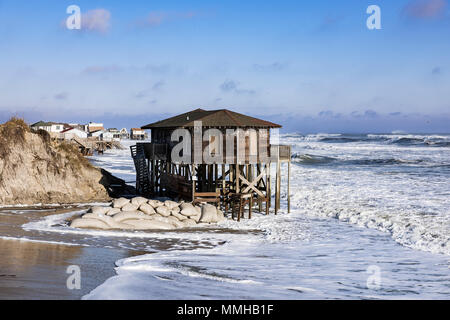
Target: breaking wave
[(399, 139), (377, 182)]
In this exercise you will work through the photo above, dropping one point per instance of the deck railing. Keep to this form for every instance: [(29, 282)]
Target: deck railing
[(159, 151)]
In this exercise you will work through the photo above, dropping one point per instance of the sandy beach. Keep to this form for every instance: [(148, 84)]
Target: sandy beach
[(34, 265), (38, 271)]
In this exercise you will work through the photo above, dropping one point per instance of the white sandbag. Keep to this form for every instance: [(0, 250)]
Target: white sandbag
[(174, 221), (119, 203), (99, 210), (112, 224), (150, 225), (164, 211), (147, 209), (209, 213), (189, 223), (126, 215), (112, 211), (187, 209), (196, 218), (161, 218), (91, 215), (171, 204), (177, 215), (89, 223), (176, 209), (138, 200), (115, 224), (155, 203), (130, 207), (220, 216)]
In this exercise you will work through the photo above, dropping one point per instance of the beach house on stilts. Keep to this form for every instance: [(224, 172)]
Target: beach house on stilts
[(217, 156)]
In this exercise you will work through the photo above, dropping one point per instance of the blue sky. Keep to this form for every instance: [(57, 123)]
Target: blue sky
[(310, 65)]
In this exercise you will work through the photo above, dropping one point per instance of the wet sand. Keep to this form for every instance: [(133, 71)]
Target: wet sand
[(33, 263), (31, 270)]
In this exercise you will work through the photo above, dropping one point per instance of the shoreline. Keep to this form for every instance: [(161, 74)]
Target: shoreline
[(37, 270), (34, 264), (42, 206)]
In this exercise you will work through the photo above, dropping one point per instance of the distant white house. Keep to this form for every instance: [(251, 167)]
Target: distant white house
[(50, 127), (96, 134), (70, 133), (107, 136), (103, 135), (124, 133), (115, 133), (93, 126), (82, 127), (138, 134)]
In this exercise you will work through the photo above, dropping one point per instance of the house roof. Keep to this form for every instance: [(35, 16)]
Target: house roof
[(45, 124), (71, 128), (212, 118), (68, 129), (96, 131)]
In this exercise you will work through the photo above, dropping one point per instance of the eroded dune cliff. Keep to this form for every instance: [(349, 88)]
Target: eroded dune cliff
[(34, 169)]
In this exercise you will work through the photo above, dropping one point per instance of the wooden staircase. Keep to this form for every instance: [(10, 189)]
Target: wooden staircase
[(142, 170)]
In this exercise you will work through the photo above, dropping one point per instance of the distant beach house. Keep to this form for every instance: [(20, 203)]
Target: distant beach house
[(124, 134), (82, 127), (50, 127), (92, 127), (70, 133), (102, 135), (96, 134), (138, 134), (107, 136), (115, 133)]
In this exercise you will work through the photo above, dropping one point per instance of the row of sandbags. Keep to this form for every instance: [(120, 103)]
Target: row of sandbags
[(140, 213)]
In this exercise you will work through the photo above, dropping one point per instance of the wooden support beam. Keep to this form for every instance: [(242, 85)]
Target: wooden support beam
[(153, 177), (193, 181), (278, 187), (268, 186), (210, 186), (251, 185), (216, 176), (237, 180), (289, 186), (223, 179)]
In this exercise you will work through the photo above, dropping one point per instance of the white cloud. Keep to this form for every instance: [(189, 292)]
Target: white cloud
[(156, 18), (425, 9), (97, 20), (100, 69), (234, 87)]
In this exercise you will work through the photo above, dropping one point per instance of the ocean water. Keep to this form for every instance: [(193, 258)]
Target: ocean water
[(370, 219)]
